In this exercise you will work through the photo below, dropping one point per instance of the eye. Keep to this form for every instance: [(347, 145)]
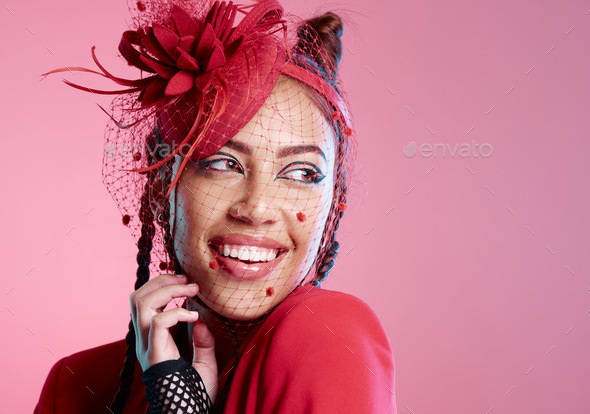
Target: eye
[(305, 175), (222, 165)]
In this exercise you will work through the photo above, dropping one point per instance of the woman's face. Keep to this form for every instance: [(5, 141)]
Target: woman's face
[(266, 193)]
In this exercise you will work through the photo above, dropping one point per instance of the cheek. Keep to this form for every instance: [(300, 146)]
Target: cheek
[(202, 202), (200, 205), (309, 215)]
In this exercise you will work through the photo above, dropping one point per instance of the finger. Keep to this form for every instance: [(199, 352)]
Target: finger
[(155, 302), (142, 325), (159, 299), (204, 360), (156, 283), (203, 345), (161, 342)]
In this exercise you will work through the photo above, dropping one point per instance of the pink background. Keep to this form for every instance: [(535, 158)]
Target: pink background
[(478, 267)]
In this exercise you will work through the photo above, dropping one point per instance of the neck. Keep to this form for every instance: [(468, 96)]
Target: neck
[(229, 334)]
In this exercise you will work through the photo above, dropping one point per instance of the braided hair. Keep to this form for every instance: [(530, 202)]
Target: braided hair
[(326, 54), (143, 275), (328, 28)]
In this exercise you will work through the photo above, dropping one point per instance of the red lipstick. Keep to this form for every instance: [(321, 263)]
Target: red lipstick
[(242, 269)]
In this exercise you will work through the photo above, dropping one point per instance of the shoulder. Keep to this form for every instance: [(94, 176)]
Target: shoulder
[(329, 348), (113, 352), (337, 313), (83, 364), (84, 379)]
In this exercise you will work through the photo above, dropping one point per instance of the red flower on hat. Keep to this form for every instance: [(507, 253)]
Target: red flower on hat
[(181, 56)]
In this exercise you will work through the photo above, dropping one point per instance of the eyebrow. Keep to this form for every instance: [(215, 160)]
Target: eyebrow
[(239, 146), (283, 152)]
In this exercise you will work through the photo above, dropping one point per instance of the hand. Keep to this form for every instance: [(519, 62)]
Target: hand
[(153, 340)]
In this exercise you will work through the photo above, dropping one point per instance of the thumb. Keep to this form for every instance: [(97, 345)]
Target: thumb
[(204, 360)]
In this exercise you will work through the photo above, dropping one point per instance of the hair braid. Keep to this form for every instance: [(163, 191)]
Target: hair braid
[(168, 239), (143, 275), (331, 253), (340, 189), (319, 40), (329, 257)]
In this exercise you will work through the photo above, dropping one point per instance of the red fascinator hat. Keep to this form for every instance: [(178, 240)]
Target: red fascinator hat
[(205, 70)]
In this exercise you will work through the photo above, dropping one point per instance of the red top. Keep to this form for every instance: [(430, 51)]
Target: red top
[(319, 351)]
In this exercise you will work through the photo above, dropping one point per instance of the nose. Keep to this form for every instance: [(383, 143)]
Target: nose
[(256, 207)]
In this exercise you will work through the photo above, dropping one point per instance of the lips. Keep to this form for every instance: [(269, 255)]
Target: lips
[(246, 270)]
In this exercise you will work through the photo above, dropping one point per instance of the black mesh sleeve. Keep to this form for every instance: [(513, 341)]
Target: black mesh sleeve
[(175, 387)]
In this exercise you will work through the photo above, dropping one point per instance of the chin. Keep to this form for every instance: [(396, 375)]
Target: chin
[(246, 310), (248, 302)]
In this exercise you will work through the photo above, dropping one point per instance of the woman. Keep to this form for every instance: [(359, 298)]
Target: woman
[(239, 146)]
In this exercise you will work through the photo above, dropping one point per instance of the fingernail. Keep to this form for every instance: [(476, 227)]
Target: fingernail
[(191, 284), (180, 275), (195, 313)]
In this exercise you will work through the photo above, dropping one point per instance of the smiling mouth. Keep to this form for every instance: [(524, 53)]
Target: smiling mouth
[(247, 248), (248, 254), (247, 257)]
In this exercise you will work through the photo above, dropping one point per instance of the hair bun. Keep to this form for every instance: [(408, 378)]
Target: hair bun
[(328, 27)]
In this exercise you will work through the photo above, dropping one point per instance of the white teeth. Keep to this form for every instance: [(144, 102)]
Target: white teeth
[(249, 253), (244, 254)]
